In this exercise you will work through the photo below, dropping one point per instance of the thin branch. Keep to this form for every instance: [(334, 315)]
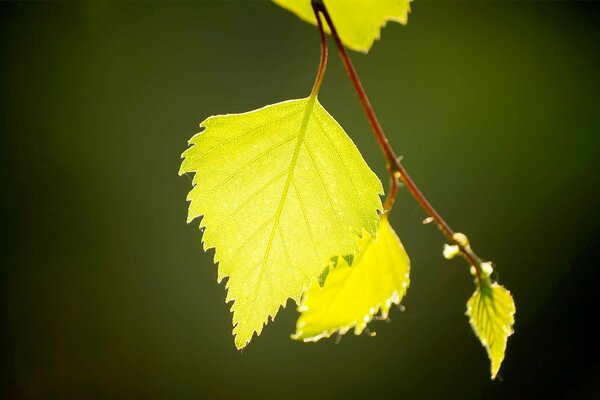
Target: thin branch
[(394, 166)]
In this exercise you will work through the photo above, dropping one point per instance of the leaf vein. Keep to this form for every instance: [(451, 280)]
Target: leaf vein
[(362, 206), (201, 156), (234, 213), (308, 110), (306, 222), (327, 194), (236, 172)]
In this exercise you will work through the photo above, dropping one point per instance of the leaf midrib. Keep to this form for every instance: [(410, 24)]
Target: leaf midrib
[(303, 127)]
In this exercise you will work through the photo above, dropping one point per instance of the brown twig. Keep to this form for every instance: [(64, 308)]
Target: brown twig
[(394, 166)]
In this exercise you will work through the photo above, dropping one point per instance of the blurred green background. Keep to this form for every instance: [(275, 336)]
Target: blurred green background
[(106, 292)]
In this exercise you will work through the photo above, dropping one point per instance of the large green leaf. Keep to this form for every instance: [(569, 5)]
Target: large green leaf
[(358, 22), (491, 312), (351, 296), (281, 190)]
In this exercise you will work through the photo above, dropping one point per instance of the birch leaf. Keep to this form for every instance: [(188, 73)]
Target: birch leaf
[(358, 22), (281, 190), (353, 295), (491, 312)]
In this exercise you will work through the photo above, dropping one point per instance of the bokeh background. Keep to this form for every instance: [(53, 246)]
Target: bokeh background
[(105, 291)]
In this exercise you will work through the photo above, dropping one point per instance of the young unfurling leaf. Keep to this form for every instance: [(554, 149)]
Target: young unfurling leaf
[(281, 190), (491, 312), (358, 22), (352, 295)]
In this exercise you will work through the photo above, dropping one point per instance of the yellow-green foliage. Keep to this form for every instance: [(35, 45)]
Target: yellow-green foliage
[(358, 22), (491, 312), (292, 211), (352, 295), (281, 190)]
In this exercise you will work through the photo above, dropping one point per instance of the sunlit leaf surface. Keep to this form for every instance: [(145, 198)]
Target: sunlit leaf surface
[(281, 190), (352, 295)]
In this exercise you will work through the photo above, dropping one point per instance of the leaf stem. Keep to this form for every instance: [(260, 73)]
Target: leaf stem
[(394, 166), (323, 59)]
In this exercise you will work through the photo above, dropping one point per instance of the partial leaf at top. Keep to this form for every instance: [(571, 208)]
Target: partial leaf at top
[(491, 312), (358, 22), (281, 190), (353, 295)]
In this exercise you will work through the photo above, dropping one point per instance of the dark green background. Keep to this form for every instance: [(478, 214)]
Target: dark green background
[(106, 292)]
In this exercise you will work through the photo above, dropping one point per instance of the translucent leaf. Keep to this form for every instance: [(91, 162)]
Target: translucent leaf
[(491, 312), (358, 22), (281, 190), (352, 295)]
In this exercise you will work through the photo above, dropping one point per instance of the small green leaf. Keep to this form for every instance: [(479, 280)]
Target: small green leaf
[(351, 296), (358, 22), (281, 190), (491, 312)]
